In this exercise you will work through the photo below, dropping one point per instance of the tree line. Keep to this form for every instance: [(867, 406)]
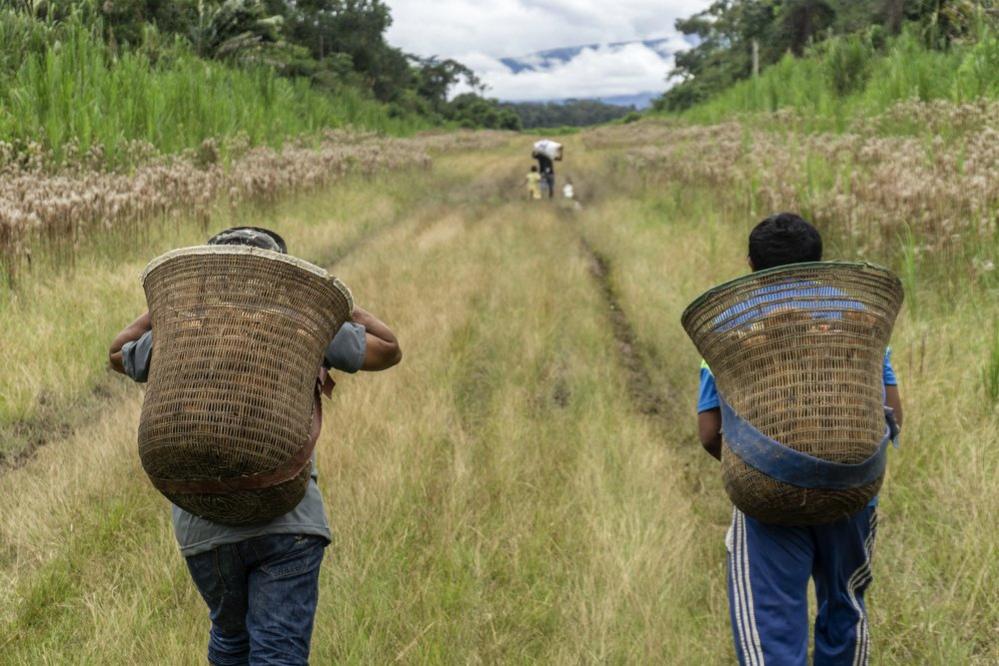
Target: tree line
[(334, 44), (568, 113), (735, 38)]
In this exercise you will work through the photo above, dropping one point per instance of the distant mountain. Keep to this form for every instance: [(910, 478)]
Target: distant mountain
[(641, 100), (546, 59), (551, 58)]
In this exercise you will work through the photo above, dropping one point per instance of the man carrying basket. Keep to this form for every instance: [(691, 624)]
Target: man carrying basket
[(260, 581), (770, 564)]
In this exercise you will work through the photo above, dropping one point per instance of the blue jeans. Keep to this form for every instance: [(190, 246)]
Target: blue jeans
[(769, 569), (261, 595)]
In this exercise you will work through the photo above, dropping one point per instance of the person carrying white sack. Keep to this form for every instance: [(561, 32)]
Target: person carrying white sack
[(547, 152)]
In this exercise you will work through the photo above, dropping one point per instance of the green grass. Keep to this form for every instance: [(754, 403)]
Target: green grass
[(75, 90), (990, 372), (936, 556), (497, 498), (845, 79)]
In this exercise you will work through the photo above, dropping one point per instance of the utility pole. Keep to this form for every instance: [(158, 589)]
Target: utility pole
[(756, 57)]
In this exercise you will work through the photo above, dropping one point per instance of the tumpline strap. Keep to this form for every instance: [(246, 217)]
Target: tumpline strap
[(800, 469)]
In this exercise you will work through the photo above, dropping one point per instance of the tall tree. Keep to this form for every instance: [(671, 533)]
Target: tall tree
[(802, 20)]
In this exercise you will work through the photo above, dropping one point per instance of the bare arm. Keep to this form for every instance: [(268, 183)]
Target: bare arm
[(894, 400), (709, 431), (381, 346), (130, 333)]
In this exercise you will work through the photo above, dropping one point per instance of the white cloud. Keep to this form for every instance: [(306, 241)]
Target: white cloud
[(600, 72), (480, 33)]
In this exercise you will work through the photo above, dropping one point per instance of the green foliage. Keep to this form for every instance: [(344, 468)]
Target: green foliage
[(20, 34), (102, 75), (977, 74), (849, 77), (237, 30), (470, 110), (909, 270), (435, 78), (990, 373), (848, 64), (801, 20), (847, 32), (337, 32), (76, 91)]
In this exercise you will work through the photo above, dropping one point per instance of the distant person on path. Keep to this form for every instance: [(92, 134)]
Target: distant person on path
[(533, 183), (769, 565), (546, 152), (261, 582)]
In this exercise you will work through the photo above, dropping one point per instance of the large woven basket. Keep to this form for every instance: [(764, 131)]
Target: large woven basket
[(797, 355), (227, 424)]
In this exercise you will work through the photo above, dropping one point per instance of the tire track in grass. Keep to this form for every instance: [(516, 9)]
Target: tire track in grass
[(655, 399), (52, 421), (650, 392), (649, 398)]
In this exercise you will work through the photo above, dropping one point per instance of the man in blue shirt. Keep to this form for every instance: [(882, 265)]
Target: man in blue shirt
[(769, 566), (261, 582)]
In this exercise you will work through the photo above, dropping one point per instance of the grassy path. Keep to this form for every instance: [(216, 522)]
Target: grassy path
[(524, 488)]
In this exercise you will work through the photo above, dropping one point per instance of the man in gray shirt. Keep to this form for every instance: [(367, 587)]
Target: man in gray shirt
[(261, 582)]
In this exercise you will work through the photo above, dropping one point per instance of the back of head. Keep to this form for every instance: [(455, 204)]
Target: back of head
[(783, 239), (265, 239), (534, 167)]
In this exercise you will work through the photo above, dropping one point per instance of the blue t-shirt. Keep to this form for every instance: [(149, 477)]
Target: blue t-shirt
[(196, 535)]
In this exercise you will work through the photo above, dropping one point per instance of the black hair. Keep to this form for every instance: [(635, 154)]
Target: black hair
[(534, 167), (252, 236), (784, 238)]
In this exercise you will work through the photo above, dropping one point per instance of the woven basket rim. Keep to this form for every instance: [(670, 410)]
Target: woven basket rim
[(786, 268), (250, 251)]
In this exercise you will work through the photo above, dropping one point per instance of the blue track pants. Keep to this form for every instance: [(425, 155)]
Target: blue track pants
[(768, 572)]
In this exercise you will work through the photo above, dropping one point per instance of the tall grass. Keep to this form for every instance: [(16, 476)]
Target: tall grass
[(496, 498), (990, 372), (512, 509), (909, 269), (70, 88), (672, 235), (846, 78)]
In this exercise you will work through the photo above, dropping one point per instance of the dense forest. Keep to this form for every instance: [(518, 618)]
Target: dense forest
[(568, 113), (739, 37)]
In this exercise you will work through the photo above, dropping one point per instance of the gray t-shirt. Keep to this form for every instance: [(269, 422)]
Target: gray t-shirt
[(196, 535)]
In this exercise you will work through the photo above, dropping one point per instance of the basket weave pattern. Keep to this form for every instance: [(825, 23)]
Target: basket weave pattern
[(797, 352), (238, 335)]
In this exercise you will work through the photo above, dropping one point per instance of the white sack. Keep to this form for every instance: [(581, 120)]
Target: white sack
[(551, 149)]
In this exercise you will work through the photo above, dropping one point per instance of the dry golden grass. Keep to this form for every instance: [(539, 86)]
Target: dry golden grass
[(70, 208)]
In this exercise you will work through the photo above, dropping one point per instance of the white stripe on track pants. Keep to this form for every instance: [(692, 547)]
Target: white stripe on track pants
[(768, 571)]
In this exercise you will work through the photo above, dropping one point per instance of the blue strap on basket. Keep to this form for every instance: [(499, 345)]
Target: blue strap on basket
[(800, 469)]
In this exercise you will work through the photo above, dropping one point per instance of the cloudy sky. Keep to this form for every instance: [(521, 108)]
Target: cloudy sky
[(480, 32)]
